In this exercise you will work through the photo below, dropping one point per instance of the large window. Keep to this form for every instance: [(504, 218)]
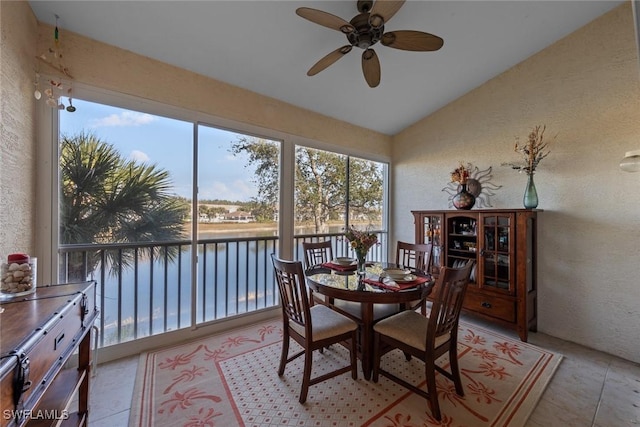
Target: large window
[(237, 221), (335, 191), (125, 189), (176, 218), (126, 218)]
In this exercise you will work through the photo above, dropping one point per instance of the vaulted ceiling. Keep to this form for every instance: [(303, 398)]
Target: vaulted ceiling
[(265, 47)]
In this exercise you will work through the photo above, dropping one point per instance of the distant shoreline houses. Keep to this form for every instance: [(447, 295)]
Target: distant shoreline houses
[(210, 213)]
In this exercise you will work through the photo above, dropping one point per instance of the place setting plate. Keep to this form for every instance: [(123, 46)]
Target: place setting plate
[(344, 261), (406, 279), (396, 273)]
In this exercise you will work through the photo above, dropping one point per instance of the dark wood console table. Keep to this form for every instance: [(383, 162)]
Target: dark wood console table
[(39, 333)]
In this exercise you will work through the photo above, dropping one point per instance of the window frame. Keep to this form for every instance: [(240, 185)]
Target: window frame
[(47, 166)]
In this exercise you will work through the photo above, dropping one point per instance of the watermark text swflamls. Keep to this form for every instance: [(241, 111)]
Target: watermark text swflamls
[(40, 414)]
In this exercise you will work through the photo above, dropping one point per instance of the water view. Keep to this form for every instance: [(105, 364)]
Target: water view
[(234, 277), (140, 190)]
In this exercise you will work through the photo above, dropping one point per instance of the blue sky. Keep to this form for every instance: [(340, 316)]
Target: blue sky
[(168, 143)]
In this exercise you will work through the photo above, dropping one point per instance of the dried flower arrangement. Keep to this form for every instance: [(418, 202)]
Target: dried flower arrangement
[(461, 173), (360, 241), (533, 151)]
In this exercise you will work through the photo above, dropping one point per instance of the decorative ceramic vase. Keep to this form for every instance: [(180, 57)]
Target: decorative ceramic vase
[(362, 263), (530, 199), (464, 199)]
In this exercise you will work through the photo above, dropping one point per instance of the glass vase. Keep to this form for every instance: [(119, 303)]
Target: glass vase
[(361, 261), (530, 199)]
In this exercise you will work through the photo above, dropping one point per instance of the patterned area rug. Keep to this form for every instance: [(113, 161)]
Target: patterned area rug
[(231, 380)]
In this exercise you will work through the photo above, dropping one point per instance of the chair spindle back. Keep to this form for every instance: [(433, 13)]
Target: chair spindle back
[(293, 292), (447, 305), (316, 253), (414, 255)]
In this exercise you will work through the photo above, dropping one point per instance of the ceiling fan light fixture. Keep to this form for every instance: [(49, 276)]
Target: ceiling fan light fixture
[(364, 41), (388, 39), (367, 54), (631, 161), (347, 29), (376, 21)]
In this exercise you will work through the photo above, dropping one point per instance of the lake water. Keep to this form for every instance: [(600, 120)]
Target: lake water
[(233, 278)]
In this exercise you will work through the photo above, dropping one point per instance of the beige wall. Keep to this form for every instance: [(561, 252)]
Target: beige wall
[(586, 89), (17, 128)]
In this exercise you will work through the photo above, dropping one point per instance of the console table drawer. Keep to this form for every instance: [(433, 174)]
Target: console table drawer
[(39, 334), (58, 340)]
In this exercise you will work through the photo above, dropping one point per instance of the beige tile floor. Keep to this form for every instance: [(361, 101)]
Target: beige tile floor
[(589, 389)]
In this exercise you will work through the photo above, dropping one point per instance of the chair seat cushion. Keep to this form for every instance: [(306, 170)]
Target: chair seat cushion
[(409, 327), (380, 311), (326, 323)]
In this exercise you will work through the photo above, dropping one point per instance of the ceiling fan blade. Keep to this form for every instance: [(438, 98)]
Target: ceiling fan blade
[(371, 67), (329, 59), (382, 11), (412, 40), (325, 19)]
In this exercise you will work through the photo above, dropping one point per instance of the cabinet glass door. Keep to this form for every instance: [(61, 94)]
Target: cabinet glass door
[(462, 241), (432, 227), (497, 251)]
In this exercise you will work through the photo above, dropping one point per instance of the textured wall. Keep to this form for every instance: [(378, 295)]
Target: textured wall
[(586, 89), (17, 131)]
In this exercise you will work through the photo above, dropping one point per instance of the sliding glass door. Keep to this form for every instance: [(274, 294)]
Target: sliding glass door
[(127, 218), (237, 222), (176, 218), (125, 185), (334, 191)]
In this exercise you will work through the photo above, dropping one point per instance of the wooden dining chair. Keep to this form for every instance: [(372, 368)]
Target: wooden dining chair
[(426, 338), (316, 253), (418, 256), (414, 255), (312, 327)]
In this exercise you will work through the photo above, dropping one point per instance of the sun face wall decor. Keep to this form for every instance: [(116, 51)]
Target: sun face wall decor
[(478, 183)]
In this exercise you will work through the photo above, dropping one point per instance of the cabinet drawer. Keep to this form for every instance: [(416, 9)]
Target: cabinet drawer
[(48, 347), (493, 306), (48, 355)]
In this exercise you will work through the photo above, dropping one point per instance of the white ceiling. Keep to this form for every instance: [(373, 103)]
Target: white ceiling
[(265, 47)]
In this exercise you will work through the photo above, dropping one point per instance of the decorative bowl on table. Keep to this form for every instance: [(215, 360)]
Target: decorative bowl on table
[(344, 261), (396, 273)]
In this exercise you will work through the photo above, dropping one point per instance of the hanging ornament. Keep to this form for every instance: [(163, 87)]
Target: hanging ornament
[(70, 108), (36, 93), (53, 58)]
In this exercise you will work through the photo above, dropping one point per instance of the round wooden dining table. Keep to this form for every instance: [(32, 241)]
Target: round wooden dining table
[(366, 293)]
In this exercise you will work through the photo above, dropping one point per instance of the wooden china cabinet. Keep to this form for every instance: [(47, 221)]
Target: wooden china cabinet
[(502, 243)]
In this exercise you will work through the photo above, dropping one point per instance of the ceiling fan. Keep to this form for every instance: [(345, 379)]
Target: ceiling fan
[(365, 30)]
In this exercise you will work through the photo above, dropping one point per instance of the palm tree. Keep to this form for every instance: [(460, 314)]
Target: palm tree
[(108, 199)]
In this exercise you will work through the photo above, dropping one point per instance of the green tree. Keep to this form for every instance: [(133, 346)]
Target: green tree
[(105, 198), (264, 155), (366, 190), (321, 183), (321, 187)]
